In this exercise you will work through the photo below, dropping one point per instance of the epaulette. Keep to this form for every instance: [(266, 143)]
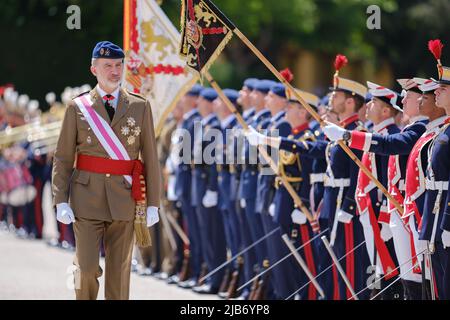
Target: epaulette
[(360, 126), (308, 135), (136, 95), (81, 94)]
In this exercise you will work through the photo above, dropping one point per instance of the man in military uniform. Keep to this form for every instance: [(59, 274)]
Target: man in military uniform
[(101, 130), (205, 192), (249, 178), (183, 182), (435, 224)]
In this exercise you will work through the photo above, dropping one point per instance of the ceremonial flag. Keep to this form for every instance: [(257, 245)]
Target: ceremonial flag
[(205, 31), (153, 67)]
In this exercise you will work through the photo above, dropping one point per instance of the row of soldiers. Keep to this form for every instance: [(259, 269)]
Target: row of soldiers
[(233, 212), (28, 137)]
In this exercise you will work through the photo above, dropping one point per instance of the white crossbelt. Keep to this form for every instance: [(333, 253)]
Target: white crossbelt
[(317, 177), (336, 183), (436, 185)]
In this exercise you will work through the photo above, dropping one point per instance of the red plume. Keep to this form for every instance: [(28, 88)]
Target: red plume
[(287, 75), (340, 61), (435, 46)]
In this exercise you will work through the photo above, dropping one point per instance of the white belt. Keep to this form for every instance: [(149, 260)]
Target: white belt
[(401, 185), (316, 177), (336, 183), (436, 185)]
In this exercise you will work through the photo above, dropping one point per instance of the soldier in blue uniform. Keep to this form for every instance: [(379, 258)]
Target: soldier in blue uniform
[(435, 220), (276, 102), (205, 191), (225, 162), (183, 183), (339, 206), (249, 178)]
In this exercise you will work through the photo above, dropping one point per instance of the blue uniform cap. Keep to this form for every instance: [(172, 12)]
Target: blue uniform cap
[(264, 85), (250, 83), (209, 94), (108, 50), (279, 89), (231, 94), (195, 90)]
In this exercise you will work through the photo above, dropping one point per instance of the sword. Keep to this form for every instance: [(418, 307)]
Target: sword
[(338, 266), (302, 264), (239, 254), (281, 260), (325, 270)]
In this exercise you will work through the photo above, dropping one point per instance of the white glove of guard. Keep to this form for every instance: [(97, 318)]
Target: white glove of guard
[(445, 238), (243, 203), (152, 216), (385, 233), (64, 213), (298, 217), (210, 199), (254, 137), (344, 217), (272, 209), (333, 132)]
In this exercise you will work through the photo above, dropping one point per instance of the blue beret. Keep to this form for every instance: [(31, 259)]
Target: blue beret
[(195, 90), (264, 85), (209, 94), (250, 83), (108, 50), (231, 94), (279, 89)]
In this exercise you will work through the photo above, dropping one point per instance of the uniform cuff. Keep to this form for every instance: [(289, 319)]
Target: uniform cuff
[(360, 140)]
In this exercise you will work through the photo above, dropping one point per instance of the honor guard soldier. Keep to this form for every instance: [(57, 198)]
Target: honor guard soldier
[(372, 204), (225, 161), (435, 224), (249, 178), (205, 192), (183, 183), (96, 175)]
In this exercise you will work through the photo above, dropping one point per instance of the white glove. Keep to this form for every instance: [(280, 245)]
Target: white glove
[(209, 199), (272, 209), (333, 132), (445, 238), (344, 217), (152, 216), (385, 233), (254, 137), (298, 217), (64, 213), (243, 203)]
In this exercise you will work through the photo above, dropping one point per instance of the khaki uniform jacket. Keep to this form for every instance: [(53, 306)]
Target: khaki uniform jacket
[(104, 196)]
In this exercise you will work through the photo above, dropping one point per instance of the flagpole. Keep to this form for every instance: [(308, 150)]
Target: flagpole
[(297, 201), (316, 116)]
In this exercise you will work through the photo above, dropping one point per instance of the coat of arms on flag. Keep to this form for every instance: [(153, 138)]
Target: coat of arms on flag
[(153, 67)]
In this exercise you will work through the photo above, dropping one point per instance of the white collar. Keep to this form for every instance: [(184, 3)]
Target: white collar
[(247, 112), (103, 93), (206, 119), (189, 113), (383, 124), (260, 112), (417, 118), (224, 123), (278, 116), (436, 122)]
